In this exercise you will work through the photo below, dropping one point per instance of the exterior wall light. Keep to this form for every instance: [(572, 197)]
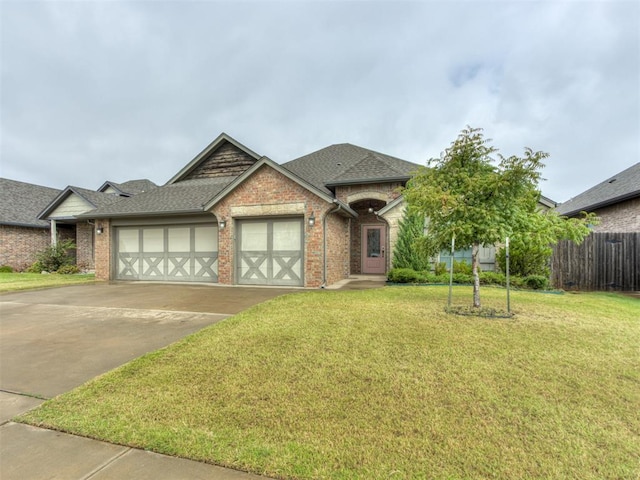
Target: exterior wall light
[(100, 229), (222, 224), (312, 219)]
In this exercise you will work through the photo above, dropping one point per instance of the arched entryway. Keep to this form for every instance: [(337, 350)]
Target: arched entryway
[(369, 238)]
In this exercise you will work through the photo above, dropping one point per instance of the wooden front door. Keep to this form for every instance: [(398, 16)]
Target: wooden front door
[(374, 249)]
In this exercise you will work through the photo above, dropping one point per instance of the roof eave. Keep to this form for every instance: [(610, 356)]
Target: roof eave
[(368, 181), (605, 203), (27, 225), (141, 214)]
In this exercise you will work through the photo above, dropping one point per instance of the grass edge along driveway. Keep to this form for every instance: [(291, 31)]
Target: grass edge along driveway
[(12, 282), (383, 384)]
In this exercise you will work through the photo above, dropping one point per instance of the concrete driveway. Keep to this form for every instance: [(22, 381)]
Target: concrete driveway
[(52, 341)]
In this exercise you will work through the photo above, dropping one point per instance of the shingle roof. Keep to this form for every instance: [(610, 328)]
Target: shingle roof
[(346, 163), (21, 202), (96, 199), (623, 186), (131, 187), (188, 196)]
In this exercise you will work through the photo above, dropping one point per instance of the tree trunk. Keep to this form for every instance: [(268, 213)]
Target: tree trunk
[(475, 262)]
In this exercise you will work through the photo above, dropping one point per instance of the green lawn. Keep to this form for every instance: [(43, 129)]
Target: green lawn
[(10, 282), (382, 384)]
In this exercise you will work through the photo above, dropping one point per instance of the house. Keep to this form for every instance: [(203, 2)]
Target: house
[(616, 201), (22, 233), (232, 216), (65, 211)]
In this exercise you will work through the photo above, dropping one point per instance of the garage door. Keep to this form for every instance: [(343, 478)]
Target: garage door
[(186, 253), (270, 252)]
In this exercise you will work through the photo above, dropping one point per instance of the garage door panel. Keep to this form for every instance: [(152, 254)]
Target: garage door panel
[(171, 253), (270, 252)]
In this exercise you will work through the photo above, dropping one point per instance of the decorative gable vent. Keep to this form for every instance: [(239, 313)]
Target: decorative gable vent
[(225, 161)]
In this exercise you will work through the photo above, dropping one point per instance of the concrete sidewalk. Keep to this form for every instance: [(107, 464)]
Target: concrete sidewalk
[(35, 453)]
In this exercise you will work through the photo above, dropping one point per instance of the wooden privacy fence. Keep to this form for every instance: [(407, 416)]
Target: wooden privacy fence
[(604, 261)]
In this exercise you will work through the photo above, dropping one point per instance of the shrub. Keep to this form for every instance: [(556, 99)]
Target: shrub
[(68, 270), (440, 268), (462, 278), (462, 267), (536, 282), (525, 258), (36, 267), (408, 251), (403, 275), (55, 256), (493, 278), (6, 269)]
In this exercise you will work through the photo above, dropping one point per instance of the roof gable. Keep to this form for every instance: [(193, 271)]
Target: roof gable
[(128, 188), (623, 186), (280, 169), (224, 157), (344, 162), (73, 201), (20, 203)]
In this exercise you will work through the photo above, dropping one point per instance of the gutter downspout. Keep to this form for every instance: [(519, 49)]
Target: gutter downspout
[(324, 242)]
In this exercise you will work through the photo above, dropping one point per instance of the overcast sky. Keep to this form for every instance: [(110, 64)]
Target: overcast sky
[(118, 90)]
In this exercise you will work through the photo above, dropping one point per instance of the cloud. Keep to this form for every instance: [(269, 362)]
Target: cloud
[(117, 90)]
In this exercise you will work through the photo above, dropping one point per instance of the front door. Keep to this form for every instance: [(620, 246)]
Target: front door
[(374, 249)]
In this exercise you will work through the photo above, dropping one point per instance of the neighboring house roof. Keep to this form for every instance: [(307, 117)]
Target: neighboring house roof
[(21, 202), (187, 196), (349, 164), (547, 202), (623, 186), (129, 188), (94, 199)]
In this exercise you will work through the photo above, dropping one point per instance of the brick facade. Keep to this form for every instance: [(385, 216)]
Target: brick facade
[(20, 245), (85, 233), (270, 193), (103, 245), (621, 217)]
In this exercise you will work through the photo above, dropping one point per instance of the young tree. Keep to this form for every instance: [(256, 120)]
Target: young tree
[(468, 195)]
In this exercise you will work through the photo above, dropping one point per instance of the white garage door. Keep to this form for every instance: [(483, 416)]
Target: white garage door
[(270, 252), (186, 253)]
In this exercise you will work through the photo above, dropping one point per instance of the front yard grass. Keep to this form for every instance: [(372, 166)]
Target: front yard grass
[(10, 282), (383, 384)]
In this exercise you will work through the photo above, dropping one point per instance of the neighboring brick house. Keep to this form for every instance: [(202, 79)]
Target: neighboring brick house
[(232, 216), (22, 233), (616, 201)]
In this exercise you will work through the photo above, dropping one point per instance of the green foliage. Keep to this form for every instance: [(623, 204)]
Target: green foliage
[(460, 266), (35, 267), (410, 251), (6, 269), (68, 270), (493, 278), (530, 249), (440, 268), (479, 200), (408, 275), (525, 259), (537, 282), (53, 257)]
